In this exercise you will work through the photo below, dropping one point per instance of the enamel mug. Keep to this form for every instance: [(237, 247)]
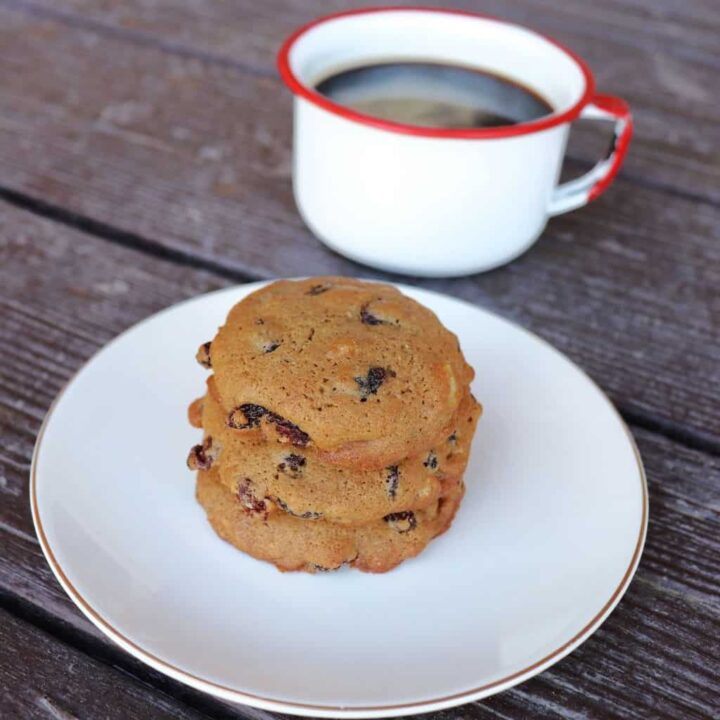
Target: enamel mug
[(438, 202)]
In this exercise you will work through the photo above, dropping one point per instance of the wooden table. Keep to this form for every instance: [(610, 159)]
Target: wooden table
[(145, 154)]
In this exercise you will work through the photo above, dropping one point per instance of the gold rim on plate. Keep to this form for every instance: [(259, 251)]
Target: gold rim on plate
[(298, 708)]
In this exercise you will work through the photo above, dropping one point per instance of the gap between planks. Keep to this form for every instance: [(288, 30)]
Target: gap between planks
[(118, 236), (140, 39), (117, 659), (133, 37), (673, 431), (94, 646), (113, 657)]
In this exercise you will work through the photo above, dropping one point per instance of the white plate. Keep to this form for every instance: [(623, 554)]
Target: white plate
[(543, 547)]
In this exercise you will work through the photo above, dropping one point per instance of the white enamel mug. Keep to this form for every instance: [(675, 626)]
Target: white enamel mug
[(438, 202)]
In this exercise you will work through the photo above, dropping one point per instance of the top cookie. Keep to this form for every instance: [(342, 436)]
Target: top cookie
[(358, 370)]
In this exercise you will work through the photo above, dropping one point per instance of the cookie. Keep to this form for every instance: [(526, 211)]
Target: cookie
[(293, 543), (355, 370), (301, 484), (195, 412)]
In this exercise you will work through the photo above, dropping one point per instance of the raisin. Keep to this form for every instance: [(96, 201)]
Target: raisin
[(453, 438), (368, 318), (251, 413), (293, 465), (289, 431), (431, 462), (201, 457), (403, 522), (203, 355), (295, 461), (314, 567), (318, 289), (392, 480), (370, 384), (271, 346), (251, 504), (309, 515), (254, 413)]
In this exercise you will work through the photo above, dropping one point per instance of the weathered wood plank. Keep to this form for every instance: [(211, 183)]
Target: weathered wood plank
[(44, 679), (660, 56), (222, 32), (64, 294), (196, 158), (658, 653)]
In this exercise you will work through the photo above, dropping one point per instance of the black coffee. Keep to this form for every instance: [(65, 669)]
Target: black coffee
[(434, 95)]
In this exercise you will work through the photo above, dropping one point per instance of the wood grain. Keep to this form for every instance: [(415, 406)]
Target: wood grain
[(195, 157), (160, 125), (43, 679), (660, 56), (64, 294)]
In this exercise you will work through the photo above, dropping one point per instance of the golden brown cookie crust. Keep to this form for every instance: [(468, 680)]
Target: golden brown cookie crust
[(300, 482), (291, 543), (357, 370)]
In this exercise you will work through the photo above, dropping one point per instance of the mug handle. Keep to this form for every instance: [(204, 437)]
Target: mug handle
[(587, 187)]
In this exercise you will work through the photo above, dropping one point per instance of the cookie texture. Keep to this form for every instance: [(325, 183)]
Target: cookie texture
[(357, 370), (291, 543), (336, 426), (302, 484)]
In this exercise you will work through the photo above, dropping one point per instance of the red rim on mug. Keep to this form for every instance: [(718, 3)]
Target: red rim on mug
[(308, 93)]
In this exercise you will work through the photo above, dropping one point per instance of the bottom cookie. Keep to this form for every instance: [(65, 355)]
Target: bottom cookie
[(292, 543)]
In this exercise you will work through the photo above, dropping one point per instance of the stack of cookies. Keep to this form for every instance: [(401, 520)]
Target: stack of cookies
[(337, 425)]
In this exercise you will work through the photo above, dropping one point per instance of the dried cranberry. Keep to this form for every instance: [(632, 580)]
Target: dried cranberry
[(292, 465), (392, 480), (431, 462), (252, 414), (314, 567), (251, 504), (289, 431), (202, 457), (305, 516), (295, 461), (403, 522), (368, 318), (203, 355), (370, 384)]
